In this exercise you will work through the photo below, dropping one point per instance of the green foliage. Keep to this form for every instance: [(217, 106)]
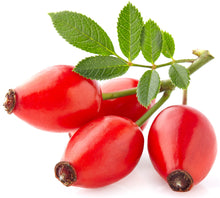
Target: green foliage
[(148, 87), (151, 41), (168, 45), (82, 32), (101, 67), (129, 27), (179, 76), (133, 36)]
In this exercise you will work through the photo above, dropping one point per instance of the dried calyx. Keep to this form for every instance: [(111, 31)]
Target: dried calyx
[(65, 173), (180, 180), (10, 101)]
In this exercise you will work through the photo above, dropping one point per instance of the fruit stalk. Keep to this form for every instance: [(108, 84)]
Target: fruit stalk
[(118, 94), (185, 96), (151, 111)]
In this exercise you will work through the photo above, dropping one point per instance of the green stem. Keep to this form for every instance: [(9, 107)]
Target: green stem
[(165, 85), (177, 61), (165, 64), (139, 65), (204, 57), (153, 109), (117, 94)]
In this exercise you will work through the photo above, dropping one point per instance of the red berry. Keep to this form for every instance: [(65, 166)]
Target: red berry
[(101, 152), (56, 99), (127, 106), (182, 146)]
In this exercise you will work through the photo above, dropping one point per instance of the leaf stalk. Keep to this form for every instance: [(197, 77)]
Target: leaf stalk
[(166, 85), (165, 64)]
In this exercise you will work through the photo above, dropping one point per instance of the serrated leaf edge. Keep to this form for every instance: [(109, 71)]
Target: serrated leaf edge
[(165, 42), (112, 52), (102, 56), (181, 87), (113, 66), (130, 34), (157, 91), (153, 60)]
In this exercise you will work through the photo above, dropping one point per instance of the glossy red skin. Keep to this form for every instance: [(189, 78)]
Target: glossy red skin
[(182, 138), (104, 151), (127, 106), (58, 99)]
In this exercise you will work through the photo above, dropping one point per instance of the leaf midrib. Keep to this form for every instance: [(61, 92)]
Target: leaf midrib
[(180, 76), (88, 37)]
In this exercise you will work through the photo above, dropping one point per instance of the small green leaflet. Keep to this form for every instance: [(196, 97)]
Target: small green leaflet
[(148, 87), (130, 24), (101, 67), (179, 76), (168, 45), (82, 32), (151, 41)]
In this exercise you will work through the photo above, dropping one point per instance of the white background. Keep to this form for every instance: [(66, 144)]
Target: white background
[(29, 43)]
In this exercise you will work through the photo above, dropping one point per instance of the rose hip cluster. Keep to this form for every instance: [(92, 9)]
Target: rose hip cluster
[(105, 142)]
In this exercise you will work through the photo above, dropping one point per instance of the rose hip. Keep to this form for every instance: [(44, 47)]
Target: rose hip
[(127, 106), (182, 146), (101, 152), (56, 99)]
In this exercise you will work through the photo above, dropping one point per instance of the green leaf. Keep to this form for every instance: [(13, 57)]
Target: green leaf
[(82, 32), (101, 67), (130, 24), (148, 87), (179, 76), (168, 45), (151, 41)]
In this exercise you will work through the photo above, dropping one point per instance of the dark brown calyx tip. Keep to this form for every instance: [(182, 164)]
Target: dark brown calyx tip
[(180, 180), (10, 101), (65, 173)]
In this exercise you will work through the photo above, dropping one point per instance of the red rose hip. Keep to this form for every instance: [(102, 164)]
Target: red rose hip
[(56, 99), (127, 106), (182, 146), (101, 152)]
